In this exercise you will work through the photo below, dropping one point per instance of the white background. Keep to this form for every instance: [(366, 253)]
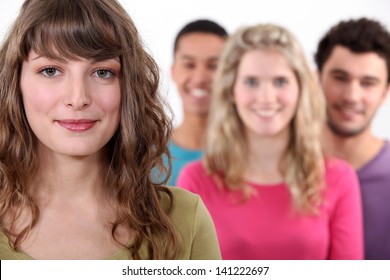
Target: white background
[(158, 21), (113, 270)]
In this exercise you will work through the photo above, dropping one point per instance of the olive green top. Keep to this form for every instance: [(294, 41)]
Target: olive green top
[(190, 217)]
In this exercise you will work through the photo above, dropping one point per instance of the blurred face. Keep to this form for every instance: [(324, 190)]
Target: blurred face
[(355, 85), (73, 107), (266, 93), (193, 69)]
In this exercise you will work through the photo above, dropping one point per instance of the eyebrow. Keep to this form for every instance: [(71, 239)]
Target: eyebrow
[(59, 59), (37, 57), (190, 57), (343, 72)]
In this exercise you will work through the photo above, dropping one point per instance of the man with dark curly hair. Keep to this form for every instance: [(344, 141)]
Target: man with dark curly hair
[(353, 60)]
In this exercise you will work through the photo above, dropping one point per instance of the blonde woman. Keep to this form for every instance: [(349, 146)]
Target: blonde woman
[(268, 187), (81, 123)]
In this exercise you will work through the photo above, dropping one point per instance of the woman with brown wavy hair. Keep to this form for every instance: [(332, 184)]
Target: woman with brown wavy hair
[(81, 127), (270, 190)]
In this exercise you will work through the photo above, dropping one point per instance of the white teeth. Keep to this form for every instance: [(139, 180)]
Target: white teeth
[(199, 92), (267, 113), (349, 112)]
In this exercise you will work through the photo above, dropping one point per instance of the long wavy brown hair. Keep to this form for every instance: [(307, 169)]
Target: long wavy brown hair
[(96, 30), (302, 165)]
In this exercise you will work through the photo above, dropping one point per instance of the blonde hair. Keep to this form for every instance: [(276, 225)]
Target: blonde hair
[(95, 30), (302, 165)]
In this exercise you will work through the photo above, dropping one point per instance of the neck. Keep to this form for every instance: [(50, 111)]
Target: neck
[(265, 154), (63, 177), (357, 150), (191, 132)]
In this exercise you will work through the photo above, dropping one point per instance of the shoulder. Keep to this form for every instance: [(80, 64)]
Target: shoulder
[(186, 206), (192, 172), (172, 146), (195, 166), (7, 253), (376, 171), (336, 166), (195, 177), (386, 146), (183, 198), (340, 175), (176, 149), (184, 203), (191, 218), (380, 160), (383, 155)]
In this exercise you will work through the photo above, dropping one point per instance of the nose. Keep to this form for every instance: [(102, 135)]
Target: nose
[(265, 94), (77, 94), (352, 92), (201, 77)]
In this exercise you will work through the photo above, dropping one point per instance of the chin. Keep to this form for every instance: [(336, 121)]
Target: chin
[(79, 154), (345, 131), (201, 112), (79, 151)]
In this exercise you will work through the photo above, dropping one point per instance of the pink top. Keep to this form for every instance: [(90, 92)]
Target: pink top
[(266, 227)]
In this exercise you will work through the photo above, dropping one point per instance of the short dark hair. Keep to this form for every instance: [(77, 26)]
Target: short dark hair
[(200, 26), (360, 36)]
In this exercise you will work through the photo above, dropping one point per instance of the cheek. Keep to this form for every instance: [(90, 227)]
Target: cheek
[(109, 100), (290, 98), (332, 91), (210, 74), (38, 99), (180, 75), (373, 99), (240, 97)]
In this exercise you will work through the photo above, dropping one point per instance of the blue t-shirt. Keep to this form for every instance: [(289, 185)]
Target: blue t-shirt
[(180, 157), (374, 178)]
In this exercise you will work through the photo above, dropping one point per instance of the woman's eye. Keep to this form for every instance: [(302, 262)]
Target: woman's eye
[(279, 82), (104, 73), (49, 72), (251, 82)]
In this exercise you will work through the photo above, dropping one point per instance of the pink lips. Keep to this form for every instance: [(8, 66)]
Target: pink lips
[(77, 125), (349, 115)]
